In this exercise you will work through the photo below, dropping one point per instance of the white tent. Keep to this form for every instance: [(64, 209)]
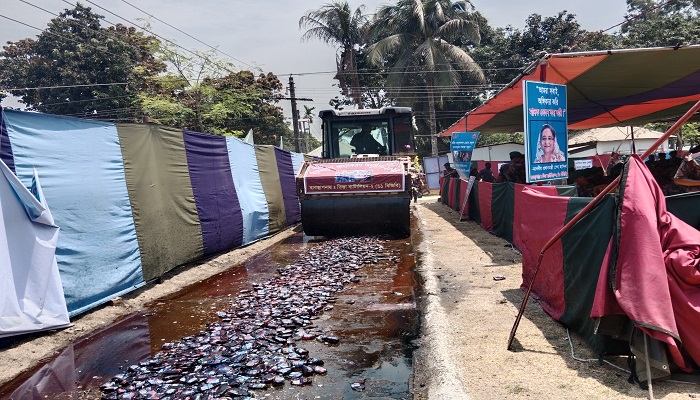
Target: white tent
[(31, 295)]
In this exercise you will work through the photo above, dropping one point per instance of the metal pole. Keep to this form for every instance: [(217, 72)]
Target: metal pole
[(648, 366), (586, 209), (295, 114)]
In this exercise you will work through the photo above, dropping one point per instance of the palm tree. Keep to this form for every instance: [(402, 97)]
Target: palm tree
[(421, 36), (336, 24)]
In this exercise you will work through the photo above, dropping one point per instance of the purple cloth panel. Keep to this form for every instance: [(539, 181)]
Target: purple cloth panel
[(214, 193), (686, 86), (289, 189), (5, 145)]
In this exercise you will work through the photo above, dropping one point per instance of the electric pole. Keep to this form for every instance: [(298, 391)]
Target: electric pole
[(295, 116)]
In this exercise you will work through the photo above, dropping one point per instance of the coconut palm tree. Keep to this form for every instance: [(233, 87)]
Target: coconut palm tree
[(336, 24), (423, 36)]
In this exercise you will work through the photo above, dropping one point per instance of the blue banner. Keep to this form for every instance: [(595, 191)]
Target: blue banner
[(462, 146), (546, 131)]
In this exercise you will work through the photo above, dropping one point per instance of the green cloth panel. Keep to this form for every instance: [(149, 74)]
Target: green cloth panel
[(444, 190), (270, 178), (502, 210), (458, 184), (584, 247), (685, 207), (162, 201), (474, 211), (567, 190)]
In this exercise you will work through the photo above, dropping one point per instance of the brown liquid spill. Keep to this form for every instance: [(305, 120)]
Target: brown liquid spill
[(375, 319)]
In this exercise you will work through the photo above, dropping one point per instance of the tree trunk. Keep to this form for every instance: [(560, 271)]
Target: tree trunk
[(431, 116)]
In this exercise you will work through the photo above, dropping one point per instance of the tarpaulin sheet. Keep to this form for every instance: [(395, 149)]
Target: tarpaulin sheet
[(520, 210), (270, 178), (457, 187), (546, 216), (463, 200), (217, 203), (626, 87), (584, 249), (685, 207), (451, 192), (292, 208), (83, 178), (5, 145), (297, 161), (31, 295), (444, 189), (485, 194), (355, 177), (652, 274), (251, 196), (164, 208), (502, 209)]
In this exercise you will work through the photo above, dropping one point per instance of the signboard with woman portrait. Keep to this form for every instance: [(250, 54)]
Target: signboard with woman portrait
[(546, 133)]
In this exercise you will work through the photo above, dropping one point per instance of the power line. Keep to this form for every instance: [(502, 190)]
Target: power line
[(203, 57), (65, 86), (188, 35)]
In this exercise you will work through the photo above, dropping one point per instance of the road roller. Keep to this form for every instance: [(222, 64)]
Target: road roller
[(361, 184)]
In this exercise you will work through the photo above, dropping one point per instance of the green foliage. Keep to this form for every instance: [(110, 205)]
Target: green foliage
[(89, 70), (674, 24), (506, 51), (204, 94), (498, 138), (338, 25), (419, 44)]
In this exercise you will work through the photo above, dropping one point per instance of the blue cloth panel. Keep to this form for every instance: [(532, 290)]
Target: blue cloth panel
[(217, 203), (5, 146), (246, 179), (292, 208), (297, 160), (82, 175)]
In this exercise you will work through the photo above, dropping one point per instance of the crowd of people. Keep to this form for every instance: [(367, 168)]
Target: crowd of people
[(589, 182)]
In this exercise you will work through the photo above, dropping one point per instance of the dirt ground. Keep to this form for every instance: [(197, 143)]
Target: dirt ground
[(467, 318)]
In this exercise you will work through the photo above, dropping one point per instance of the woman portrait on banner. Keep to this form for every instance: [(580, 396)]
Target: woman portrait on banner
[(547, 146)]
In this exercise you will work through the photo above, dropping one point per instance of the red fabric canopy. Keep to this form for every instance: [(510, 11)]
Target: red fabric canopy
[(604, 88)]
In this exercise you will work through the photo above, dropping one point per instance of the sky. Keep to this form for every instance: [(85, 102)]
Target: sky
[(266, 34)]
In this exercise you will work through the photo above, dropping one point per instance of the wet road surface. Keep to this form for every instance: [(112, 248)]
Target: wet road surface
[(374, 317)]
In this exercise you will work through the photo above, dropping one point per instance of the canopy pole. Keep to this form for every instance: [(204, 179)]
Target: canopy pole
[(585, 211), (648, 367)]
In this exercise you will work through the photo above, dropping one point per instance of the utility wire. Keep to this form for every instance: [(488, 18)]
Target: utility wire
[(188, 35)]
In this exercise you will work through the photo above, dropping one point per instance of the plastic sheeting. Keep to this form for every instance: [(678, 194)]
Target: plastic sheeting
[(217, 203), (31, 295), (83, 179), (165, 213), (244, 168)]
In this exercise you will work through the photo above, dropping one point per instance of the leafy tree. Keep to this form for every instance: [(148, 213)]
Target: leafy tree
[(338, 25), (418, 41), (86, 70), (674, 24), (506, 51)]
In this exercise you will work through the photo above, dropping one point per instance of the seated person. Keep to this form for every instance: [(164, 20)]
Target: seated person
[(449, 172), (365, 143)]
